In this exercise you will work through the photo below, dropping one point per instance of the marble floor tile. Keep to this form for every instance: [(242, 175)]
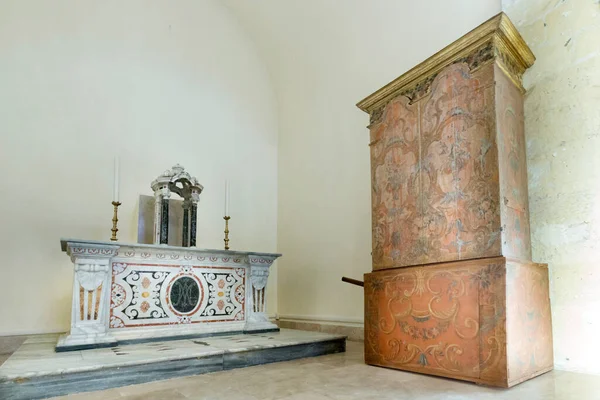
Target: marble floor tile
[(306, 396), (8, 344), (3, 357), (344, 376), (109, 394), (220, 395), (165, 394), (45, 338)]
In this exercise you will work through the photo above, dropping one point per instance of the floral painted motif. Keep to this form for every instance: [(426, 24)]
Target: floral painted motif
[(467, 318), (431, 316), (423, 333), (435, 174)]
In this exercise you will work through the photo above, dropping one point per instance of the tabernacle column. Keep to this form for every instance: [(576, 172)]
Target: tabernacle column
[(186, 224), (157, 216), (164, 217), (194, 216)]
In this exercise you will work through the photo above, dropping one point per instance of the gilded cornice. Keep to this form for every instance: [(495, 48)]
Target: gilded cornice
[(496, 39)]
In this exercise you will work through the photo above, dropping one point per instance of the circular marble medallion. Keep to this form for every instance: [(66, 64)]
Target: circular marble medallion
[(185, 294)]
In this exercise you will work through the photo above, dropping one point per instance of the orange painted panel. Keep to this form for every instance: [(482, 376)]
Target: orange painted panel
[(529, 321), (396, 185), (485, 320), (428, 318), (514, 204), (434, 166)]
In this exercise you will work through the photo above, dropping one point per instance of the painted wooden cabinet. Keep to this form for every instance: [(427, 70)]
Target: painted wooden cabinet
[(450, 217)]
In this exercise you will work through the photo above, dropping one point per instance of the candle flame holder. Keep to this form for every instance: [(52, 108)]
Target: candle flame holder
[(115, 219), (226, 240)]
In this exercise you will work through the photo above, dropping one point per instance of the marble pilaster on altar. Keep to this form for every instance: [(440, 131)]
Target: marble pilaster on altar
[(91, 292), (257, 319)]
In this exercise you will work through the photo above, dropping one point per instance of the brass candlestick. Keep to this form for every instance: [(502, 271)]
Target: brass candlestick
[(114, 229), (226, 240)]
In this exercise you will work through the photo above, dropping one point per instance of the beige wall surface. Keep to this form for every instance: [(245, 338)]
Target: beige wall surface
[(158, 84), (562, 128), (325, 56)]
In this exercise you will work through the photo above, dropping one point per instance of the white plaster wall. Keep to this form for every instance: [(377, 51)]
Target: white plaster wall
[(562, 127), (157, 82), (325, 56)]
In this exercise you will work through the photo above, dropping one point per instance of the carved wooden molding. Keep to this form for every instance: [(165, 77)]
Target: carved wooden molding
[(495, 40)]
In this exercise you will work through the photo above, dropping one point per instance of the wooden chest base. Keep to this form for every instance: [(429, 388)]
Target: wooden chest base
[(486, 321)]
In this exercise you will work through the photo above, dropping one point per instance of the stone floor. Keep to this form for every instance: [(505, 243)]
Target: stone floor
[(344, 376)]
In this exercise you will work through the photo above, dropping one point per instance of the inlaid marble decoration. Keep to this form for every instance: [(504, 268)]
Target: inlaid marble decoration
[(435, 182), (161, 294)]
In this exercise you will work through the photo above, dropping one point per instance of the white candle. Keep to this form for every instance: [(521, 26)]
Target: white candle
[(116, 181), (226, 198)]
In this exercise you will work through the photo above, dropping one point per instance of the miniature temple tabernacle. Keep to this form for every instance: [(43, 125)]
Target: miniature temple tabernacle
[(178, 181), (453, 291), (124, 292)]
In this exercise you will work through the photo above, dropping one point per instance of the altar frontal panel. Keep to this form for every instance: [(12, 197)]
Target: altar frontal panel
[(151, 295)]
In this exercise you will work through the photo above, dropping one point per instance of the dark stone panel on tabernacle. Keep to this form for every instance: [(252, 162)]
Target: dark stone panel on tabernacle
[(270, 355), (186, 226), (164, 224), (145, 232), (193, 225), (67, 383)]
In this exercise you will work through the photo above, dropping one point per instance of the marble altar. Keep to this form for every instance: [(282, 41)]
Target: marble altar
[(125, 292)]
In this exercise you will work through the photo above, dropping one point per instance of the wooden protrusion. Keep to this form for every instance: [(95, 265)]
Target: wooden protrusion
[(353, 281)]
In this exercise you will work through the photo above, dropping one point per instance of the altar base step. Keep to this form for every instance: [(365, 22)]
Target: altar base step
[(36, 371)]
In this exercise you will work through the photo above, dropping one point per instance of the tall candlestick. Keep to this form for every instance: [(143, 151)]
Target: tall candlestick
[(115, 219), (226, 240), (116, 181), (226, 198)]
